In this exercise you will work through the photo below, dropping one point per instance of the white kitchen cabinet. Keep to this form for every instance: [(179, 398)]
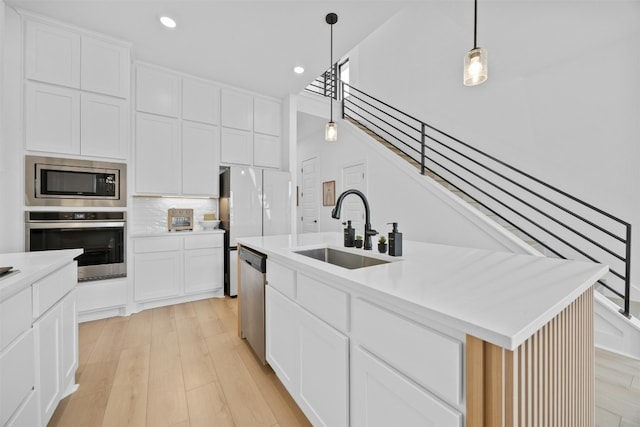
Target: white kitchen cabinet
[(104, 67), (104, 126), (266, 151), (200, 159), (52, 54), (200, 101), (282, 336), (178, 266), (381, 396), (157, 91), (237, 110), (310, 358), (157, 270), (69, 348), (17, 373), (236, 146), (27, 414), (158, 168), (324, 372), (267, 116), (52, 120), (48, 330)]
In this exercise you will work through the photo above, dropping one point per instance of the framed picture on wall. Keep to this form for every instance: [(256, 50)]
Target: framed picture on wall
[(328, 193)]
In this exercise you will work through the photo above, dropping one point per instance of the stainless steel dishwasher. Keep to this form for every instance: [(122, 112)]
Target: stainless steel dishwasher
[(253, 268)]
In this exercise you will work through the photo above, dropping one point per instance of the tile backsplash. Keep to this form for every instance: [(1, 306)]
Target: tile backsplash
[(150, 213)]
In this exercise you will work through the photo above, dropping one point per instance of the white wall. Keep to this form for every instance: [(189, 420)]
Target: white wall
[(11, 159), (562, 100), (391, 190)]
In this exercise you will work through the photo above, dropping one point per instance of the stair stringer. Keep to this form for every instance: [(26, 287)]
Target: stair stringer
[(613, 331)]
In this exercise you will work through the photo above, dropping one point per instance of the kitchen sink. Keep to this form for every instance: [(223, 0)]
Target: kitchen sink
[(341, 258)]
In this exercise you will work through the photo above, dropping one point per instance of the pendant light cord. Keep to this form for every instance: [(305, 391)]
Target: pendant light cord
[(331, 75), (475, 23)]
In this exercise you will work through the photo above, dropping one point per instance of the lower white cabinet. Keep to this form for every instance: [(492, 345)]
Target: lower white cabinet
[(170, 267), (381, 396), (311, 359), (48, 330), (16, 373)]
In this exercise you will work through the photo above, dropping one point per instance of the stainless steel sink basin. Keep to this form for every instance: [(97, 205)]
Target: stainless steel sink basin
[(341, 258)]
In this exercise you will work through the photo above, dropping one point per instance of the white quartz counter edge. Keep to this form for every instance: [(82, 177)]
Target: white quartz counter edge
[(33, 266), (513, 326), (176, 233)]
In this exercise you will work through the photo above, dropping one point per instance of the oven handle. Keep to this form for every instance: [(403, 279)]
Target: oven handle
[(53, 224)]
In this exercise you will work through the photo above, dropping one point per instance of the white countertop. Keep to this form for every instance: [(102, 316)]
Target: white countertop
[(500, 297), (33, 266), (176, 233)]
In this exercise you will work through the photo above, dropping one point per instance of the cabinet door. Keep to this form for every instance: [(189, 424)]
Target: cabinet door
[(203, 270), (69, 357), (105, 67), (200, 159), (380, 396), (266, 151), (157, 155), (237, 110), (200, 102), (324, 372), (157, 91), (48, 331), (282, 338), (52, 121), (16, 374), (157, 275), (52, 54), (104, 126), (267, 116), (236, 146)]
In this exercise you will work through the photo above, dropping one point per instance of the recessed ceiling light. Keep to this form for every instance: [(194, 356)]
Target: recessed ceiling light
[(298, 70), (168, 22)]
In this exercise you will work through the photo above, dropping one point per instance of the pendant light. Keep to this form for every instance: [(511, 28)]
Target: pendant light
[(331, 130), (475, 61)]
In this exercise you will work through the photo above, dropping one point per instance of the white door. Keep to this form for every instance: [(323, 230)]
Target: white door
[(353, 178), (309, 196)]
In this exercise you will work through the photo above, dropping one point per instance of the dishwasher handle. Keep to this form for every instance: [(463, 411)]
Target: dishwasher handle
[(255, 259)]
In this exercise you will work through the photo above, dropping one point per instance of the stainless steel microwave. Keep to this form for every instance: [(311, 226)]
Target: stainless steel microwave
[(52, 181)]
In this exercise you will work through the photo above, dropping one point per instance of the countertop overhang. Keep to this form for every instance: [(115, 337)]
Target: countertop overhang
[(499, 297), (33, 266)]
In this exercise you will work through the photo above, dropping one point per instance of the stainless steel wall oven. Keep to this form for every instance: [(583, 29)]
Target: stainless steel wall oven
[(52, 181), (102, 235)]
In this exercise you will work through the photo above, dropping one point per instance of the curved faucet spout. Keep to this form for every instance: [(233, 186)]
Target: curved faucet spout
[(368, 232)]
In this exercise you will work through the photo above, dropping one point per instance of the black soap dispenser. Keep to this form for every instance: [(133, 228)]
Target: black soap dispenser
[(395, 241), (349, 235)]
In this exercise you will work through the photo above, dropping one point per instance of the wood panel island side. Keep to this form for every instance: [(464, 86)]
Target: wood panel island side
[(444, 335)]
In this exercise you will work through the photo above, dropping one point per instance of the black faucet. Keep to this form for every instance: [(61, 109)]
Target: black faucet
[(368, 231)]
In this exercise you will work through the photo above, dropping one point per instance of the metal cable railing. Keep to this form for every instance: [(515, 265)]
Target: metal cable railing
[(548, 218)]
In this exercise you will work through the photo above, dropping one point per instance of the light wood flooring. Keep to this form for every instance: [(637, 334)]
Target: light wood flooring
[(181, 365), (617, 390)]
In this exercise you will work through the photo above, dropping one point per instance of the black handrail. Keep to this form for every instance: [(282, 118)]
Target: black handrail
[(370, 112)]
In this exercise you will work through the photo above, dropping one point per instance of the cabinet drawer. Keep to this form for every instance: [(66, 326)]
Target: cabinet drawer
[(429, 358), (281, 278), (203, 242), (329, 304), (52, 288), (15, 316), (17, 373), (156, 244)]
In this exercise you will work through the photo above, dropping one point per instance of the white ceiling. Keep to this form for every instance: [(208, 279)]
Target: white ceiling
[(248, 44)]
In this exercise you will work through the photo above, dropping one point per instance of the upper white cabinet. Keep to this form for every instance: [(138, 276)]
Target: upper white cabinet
[(105, 67), (157, 155), (267, 116), (200, 101), (266, 151), (200, 159), (104, 126), (52, 54), (237, 110), (52, 118), (236, 146), (157, 91)]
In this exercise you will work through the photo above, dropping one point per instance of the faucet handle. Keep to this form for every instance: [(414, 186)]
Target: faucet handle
[(371, 232)]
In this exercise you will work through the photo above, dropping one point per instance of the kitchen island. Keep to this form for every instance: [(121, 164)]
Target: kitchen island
[(443, 335), (38, 335)]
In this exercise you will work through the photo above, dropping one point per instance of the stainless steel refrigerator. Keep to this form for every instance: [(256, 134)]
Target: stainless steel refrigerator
[(253, 202)]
